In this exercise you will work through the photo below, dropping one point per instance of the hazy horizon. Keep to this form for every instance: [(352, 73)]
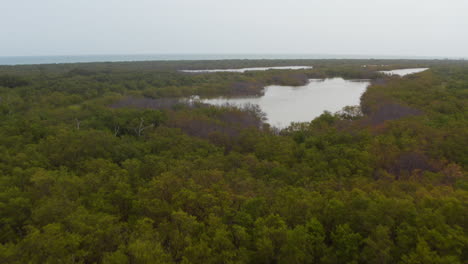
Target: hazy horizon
[(280, 55), (142, 27), (60, 59)]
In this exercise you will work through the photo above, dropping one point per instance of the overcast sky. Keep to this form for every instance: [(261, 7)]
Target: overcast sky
[(357, 27)]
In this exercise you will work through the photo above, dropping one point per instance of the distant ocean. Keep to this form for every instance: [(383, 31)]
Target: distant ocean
[(17, 60)]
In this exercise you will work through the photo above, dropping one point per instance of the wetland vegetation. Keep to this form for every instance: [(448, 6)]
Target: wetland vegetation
[(102, 163)]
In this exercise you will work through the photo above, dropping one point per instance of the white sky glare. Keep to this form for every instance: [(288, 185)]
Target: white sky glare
[(358, 27)]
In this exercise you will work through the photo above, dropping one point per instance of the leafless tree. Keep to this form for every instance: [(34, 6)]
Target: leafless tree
[(116, 130), (78, 123), (141, 127)]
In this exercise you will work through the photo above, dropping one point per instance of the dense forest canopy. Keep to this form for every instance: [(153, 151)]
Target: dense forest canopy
[(100, 164)]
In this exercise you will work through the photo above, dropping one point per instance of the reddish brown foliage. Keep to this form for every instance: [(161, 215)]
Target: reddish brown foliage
[(391, 111), (408, 163), (160, 103)]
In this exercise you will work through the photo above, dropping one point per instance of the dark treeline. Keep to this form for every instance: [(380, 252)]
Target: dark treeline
[(151, 66), (99, 163)]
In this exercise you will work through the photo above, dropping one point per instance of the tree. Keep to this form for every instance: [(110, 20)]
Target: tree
[(345, 247), (305, 244), (378, 246), (424, 255)]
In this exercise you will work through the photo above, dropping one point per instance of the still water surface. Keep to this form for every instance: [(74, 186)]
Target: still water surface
[(403, 72), (251, 69), (286, 104)]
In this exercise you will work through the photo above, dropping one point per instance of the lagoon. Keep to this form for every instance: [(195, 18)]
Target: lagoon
[(242, 70), (404, 72), (285, 104)]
